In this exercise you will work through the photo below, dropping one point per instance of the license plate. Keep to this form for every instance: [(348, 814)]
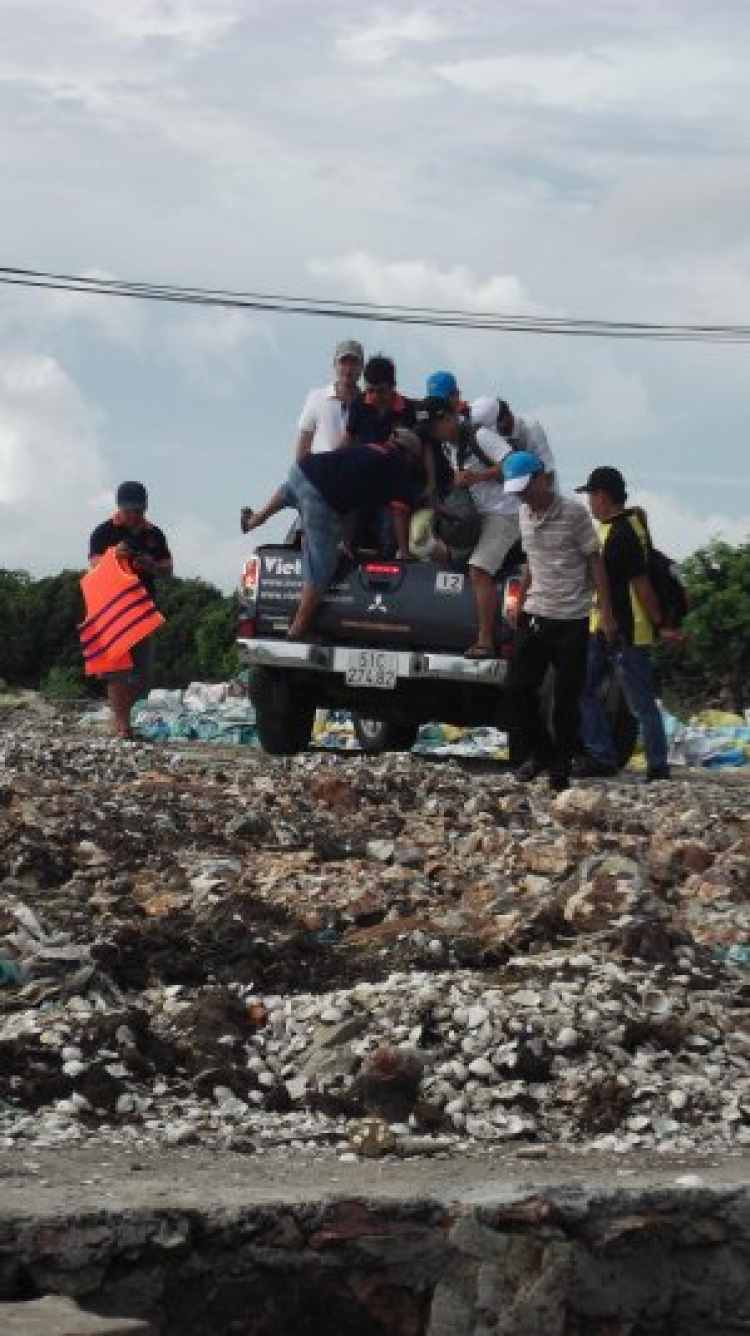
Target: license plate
[(371, 668)]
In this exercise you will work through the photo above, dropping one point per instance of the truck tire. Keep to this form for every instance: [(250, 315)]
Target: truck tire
[(284, 716), (375, 736)]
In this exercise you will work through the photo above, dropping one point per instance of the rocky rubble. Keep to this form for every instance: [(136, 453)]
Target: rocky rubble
[(364, 957)]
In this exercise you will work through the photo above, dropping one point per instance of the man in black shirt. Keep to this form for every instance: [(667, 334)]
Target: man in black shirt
[(144, 547), (325, 488), (625, 546)]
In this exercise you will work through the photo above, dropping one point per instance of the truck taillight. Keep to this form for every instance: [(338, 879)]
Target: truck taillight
[(249, 577), (381, 568), (246, 628), (512, 595)]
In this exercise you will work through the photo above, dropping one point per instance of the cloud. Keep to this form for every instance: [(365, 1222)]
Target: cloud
[(215, 347), (680, 529), (419, 282), (384, 38), (680, 79), (45, 314), (52, 476), (190, 22)]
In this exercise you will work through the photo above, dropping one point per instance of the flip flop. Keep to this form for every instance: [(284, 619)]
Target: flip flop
[(480, 652)]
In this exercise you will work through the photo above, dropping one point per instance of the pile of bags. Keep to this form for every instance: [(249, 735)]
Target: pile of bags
[(710, 738), (204, 711)]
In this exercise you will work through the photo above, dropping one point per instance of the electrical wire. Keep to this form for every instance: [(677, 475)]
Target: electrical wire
[(386, 313)]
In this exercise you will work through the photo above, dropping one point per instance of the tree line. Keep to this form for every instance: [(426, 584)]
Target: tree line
[(39, 645), (39, 641)]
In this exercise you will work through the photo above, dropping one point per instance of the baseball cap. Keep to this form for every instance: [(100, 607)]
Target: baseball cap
[(441, 384), (519, 467), (349, 348), (132, 496), (606, 479), (485, 412)]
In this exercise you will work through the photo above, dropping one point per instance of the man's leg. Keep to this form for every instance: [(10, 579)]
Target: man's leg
[(570, 640), (279, 501), (499, 533), (323, 529), (120, 698), (525, 676), (485, 598), (636, 677), (309, 600), (595, 730)]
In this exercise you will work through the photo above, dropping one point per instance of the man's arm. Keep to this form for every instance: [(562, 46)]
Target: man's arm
[(607, 623), (647, 598), (400, 515), (468, 477), (304, 443)]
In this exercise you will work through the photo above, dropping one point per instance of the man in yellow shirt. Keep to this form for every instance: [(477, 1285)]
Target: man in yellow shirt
[(625, 545)]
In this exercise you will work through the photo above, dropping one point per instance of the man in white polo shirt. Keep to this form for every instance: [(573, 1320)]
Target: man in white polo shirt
[(324, 416), (564, 567)]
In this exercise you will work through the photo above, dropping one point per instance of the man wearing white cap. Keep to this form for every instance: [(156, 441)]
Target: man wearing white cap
[(325, 413), (480, 469), (496, 415)]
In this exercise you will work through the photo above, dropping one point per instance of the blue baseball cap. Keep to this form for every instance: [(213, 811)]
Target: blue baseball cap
[(440, 385), (519, 467)]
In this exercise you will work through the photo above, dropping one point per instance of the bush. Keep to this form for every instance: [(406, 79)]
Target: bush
[(63, 685)]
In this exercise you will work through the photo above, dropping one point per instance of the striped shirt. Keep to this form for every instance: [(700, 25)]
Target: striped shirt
[(557, 546)]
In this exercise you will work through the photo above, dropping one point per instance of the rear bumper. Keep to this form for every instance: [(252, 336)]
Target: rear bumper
[(412, 666)]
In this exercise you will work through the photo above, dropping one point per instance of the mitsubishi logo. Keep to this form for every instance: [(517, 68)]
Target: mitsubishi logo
[(378, 605)]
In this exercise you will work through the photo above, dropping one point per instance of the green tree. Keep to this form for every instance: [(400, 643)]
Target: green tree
[(717, 652), (196, 641)]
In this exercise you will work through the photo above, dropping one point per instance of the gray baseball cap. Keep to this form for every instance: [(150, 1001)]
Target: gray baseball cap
[(349, 348)]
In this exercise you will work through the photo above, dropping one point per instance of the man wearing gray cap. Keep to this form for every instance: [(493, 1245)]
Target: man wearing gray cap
[(325, 413)]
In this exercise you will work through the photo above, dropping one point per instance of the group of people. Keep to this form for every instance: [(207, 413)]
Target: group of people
[(586, 604), (367, 461)]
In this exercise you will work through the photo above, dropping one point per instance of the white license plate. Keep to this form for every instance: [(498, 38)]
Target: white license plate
[(371, 668)]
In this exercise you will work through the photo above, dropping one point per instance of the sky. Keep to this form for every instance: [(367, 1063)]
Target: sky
[(584, 160)]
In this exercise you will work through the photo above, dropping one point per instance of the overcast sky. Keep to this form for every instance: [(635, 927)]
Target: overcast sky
[(585, 159)]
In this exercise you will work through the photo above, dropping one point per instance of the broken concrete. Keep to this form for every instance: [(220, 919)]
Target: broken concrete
[(203, 1246)]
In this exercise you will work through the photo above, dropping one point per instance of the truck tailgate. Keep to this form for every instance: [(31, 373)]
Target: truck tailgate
[(379, 602)]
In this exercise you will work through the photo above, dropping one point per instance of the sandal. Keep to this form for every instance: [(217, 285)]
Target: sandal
[(480, 652)]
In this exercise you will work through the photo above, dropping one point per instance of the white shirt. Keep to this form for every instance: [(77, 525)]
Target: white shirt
[(532, 436), (325, 415), (489, 497)]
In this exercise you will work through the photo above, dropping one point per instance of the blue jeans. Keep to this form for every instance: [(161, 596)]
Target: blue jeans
[(322, 528), (632, 668)]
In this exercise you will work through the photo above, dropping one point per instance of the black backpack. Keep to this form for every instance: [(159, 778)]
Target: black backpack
[(666, 579), (458, 523)]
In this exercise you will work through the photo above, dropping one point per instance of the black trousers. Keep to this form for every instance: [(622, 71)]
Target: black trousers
[(541, 643)]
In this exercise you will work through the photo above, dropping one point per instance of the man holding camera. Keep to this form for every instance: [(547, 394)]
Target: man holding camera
[(144, 548)]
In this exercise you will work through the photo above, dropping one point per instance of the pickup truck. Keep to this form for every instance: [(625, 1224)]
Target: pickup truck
[(388, 647)]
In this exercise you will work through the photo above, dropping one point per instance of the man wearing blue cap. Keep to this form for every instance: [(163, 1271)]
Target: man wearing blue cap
[(564, 568)]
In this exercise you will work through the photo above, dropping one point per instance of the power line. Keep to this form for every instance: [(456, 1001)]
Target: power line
[(386, 313)]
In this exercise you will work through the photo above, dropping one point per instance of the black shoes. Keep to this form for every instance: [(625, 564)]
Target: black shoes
[(657, 772), (559, 778), (590, 767), (559, 775)]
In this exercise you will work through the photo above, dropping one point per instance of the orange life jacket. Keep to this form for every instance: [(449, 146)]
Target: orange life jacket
[(119, 613)]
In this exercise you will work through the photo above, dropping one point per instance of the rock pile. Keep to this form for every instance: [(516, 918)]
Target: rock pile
[(365, 957)]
